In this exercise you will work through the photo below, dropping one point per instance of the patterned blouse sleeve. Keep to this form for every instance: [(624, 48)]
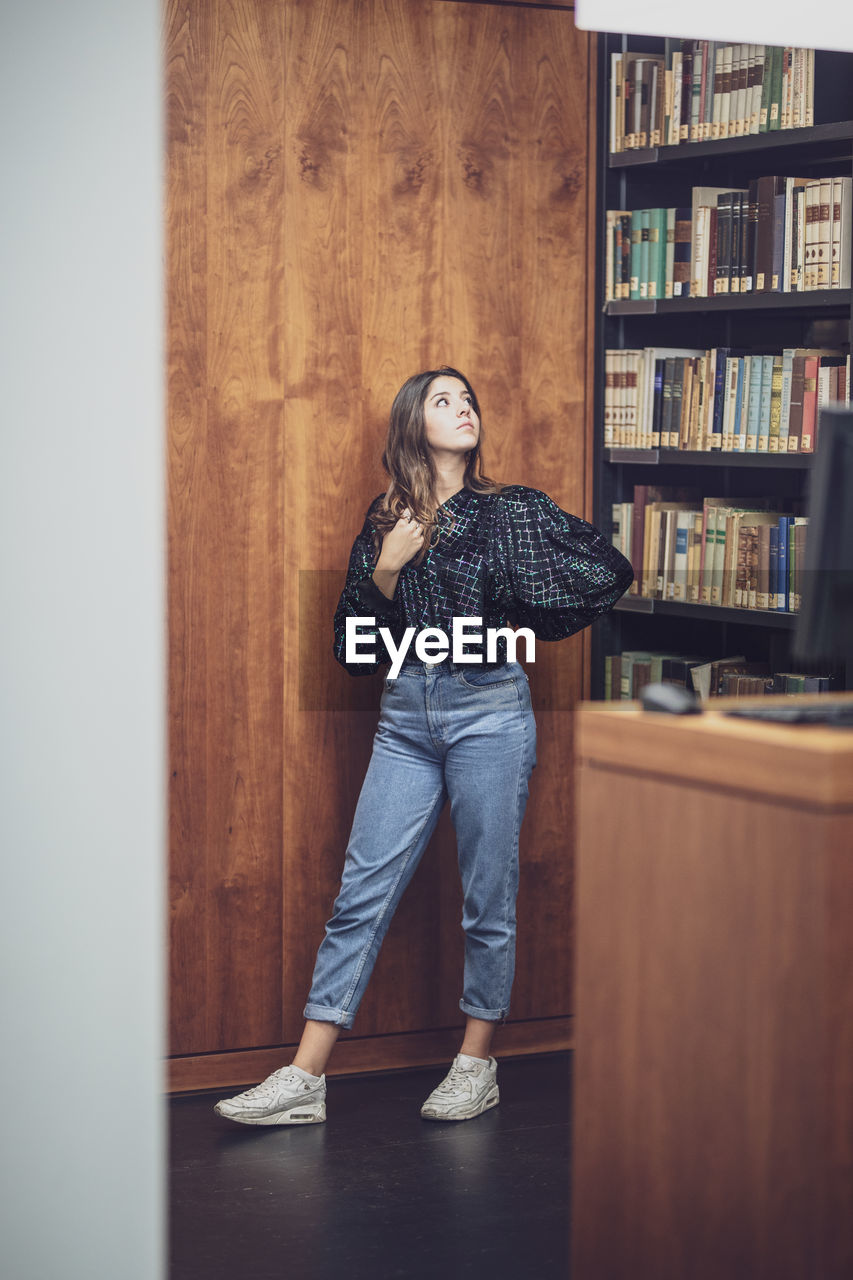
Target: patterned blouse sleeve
[(558, 573), (361, 598)]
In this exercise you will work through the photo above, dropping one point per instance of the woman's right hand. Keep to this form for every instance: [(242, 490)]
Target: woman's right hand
[(400, 544)]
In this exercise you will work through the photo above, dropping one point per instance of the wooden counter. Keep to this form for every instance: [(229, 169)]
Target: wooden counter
[(713, 1094)]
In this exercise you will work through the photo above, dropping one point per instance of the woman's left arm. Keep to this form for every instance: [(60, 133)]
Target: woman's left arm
[(560, 571)]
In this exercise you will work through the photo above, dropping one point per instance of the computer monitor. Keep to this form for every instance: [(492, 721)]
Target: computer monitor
[(824, 629)]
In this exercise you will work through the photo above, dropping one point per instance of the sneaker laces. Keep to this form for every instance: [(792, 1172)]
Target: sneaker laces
[(284, 1075), (457, 1080)]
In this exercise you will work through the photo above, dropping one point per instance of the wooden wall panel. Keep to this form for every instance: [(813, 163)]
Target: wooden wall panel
[(359, 189), (226, 525), (187, 41), (464, 155)]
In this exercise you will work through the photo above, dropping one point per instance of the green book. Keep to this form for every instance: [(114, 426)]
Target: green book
[(657, 254), (645, 218)]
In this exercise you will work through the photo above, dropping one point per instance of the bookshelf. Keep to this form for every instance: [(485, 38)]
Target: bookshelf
[(758, 323)]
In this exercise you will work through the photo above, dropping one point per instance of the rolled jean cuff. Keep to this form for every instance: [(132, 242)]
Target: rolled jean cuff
[(485, 1015), (323, 1013)]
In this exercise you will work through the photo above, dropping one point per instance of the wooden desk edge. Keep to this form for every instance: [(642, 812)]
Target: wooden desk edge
[(798, 764)]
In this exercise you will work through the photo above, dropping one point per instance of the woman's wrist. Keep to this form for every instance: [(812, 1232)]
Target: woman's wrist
[(386, 580)]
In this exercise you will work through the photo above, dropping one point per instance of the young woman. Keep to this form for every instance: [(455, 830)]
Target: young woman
[(443, 543)]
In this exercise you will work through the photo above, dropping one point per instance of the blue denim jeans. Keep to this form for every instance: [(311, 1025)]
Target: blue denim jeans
[(444, 731)]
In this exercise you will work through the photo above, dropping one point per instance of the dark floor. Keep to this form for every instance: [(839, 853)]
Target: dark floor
[(376, 1191)]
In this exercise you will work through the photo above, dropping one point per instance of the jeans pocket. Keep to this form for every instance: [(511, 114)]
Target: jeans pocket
[(492, 677)]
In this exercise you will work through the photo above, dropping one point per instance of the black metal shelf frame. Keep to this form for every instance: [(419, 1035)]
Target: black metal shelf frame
[(807, 302), (776, 618), (707, 458), (795, 140)]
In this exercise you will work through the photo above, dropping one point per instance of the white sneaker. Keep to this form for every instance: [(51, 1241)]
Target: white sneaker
[(289, 1096), (469, 1088)]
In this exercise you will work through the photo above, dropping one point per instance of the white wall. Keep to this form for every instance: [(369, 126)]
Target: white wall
[(81, 641), (818, 24)]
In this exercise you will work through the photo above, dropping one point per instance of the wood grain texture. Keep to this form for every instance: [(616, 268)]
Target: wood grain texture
[(187, 39), (810, 763), (714, 1064), (225, 81), (457, 135), (356, 1054), (359, 189)]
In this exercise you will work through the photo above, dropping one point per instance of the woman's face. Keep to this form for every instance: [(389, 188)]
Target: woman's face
[(452, 425)]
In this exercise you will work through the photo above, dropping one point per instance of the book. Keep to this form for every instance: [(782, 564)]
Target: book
[(775, 404), (705, 676), (756, 378), (823, 234), (782, 586), (636, 254), (702, 198), (842, 236), (682, 249), (766, 189)]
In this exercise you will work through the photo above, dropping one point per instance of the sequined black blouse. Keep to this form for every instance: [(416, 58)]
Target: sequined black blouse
[(512, 559)]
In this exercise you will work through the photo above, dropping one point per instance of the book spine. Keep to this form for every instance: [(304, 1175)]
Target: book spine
[(643, 270), (686, 89), (615, 102), (835, 237), (775, 105), (677, 84), (810, 369), (762, 598), (764, 110), (730, 400), (778, 250), (757, 88), (773, 569), (795, 412), (726, 93), (720, 390), (812, 215), (823, 237), (636, 245), (681, 268), (716, 107), (764, 412), (738, 426), (845, 233), (608, 398), (710, 267), (669, 261), (785, 408), (625, 243), (775, 404), (657, 404), (782, 558), (754, 404), (723, 241), (700, 54), (738, 252)]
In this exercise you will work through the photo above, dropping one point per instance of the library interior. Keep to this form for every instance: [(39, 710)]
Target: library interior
[(236, 230)]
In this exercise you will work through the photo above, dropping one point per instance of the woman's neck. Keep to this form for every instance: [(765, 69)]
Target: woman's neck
[(449, 479)]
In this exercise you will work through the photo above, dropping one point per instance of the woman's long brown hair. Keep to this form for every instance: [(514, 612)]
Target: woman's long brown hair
[(409, 463)]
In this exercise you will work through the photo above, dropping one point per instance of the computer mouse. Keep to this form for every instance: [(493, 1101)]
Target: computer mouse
[(672, 698)]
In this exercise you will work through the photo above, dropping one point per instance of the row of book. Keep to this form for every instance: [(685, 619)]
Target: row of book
[(721, 398), (626, 674), (737, 553), (781, 234), (699, 90)]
